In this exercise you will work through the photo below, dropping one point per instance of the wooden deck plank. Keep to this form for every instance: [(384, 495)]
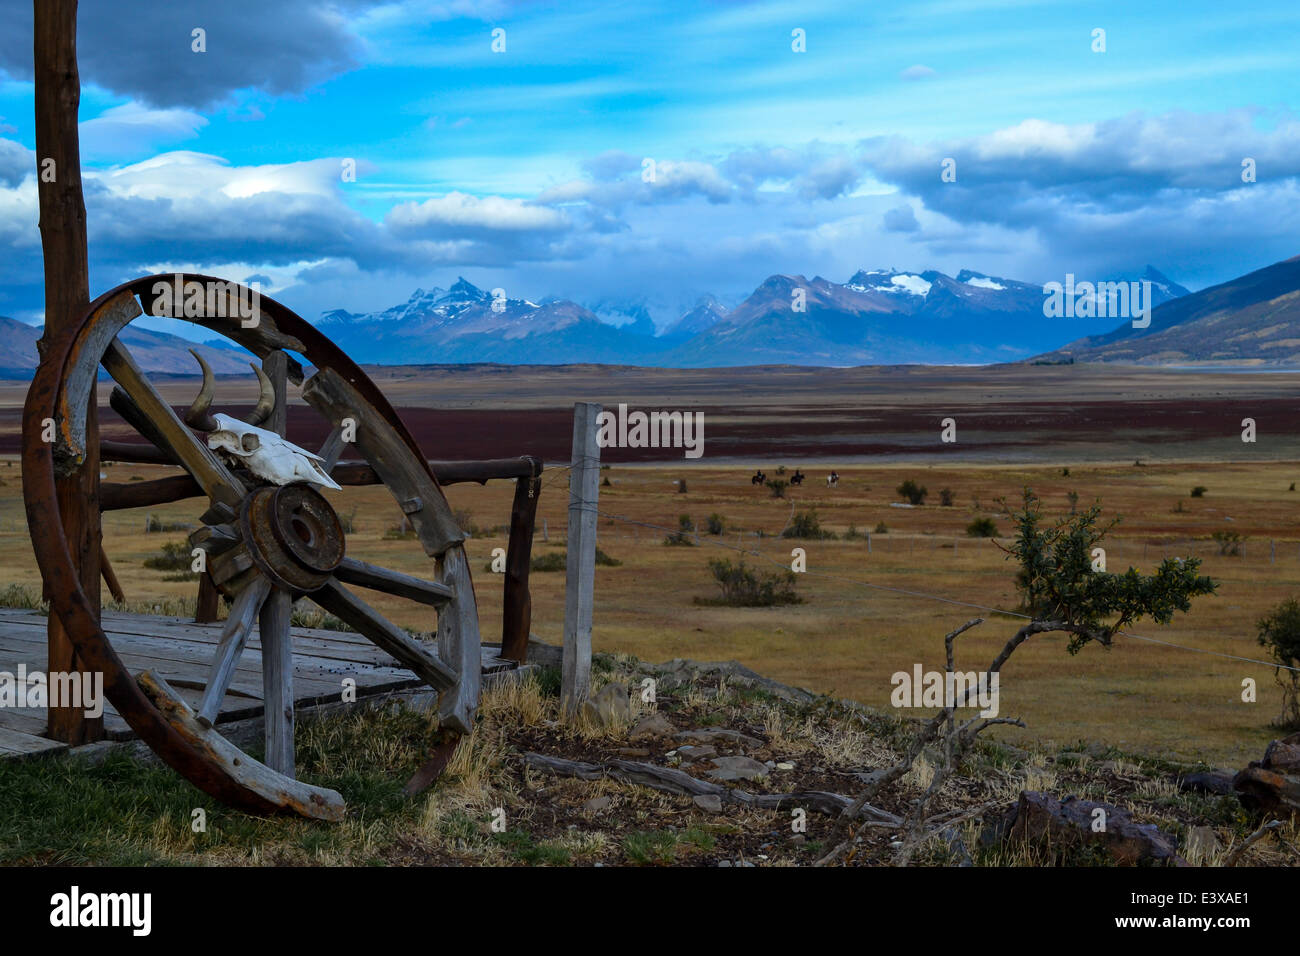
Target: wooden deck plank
[(18, 744), (180, 652)]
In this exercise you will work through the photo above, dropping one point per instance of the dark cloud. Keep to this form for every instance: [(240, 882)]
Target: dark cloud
[(900, 219), (142, 48), (16, 162)]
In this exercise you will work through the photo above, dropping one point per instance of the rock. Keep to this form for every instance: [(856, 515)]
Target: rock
[(714, 735), (609, 707), (1272, 785), (1283, 756), (769, 764), (1201, 844), (737, 768), (785, 765), (596, 804), (1069, 822), (690, 752), (708, 802), (1207, 781), (681, 671), (651, 725), (633, 751)]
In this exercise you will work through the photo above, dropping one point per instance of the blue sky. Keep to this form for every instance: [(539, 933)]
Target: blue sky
[(523, 168)]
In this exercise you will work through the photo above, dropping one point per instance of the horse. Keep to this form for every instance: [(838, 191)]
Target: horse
[(797, 478), (832, 480), (758, 478)]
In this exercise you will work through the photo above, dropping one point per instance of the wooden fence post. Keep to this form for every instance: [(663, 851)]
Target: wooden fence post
[(579, 594), (517, 604), (67, 293)]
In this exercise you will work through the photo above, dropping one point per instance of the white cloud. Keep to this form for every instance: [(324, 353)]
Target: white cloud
[(131, 128), (458, 212)]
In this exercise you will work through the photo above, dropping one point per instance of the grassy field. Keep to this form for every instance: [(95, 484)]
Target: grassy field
[(847, 638)]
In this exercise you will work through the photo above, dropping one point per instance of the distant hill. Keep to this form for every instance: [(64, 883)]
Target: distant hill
[(1253, 320), (156, 352)]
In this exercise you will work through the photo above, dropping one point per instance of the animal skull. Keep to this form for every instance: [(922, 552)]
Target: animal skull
[(264, 453)]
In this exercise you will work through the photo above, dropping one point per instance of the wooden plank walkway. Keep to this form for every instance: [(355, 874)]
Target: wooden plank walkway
[(180, 651)]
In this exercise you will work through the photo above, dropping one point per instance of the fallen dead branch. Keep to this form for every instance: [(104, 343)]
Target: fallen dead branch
[(668, 780)]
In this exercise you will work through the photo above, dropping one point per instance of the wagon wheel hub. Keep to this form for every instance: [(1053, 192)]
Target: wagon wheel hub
[(293, 536)]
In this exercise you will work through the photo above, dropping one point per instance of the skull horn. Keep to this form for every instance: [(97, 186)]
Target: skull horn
[(265, 399), (199, 415)]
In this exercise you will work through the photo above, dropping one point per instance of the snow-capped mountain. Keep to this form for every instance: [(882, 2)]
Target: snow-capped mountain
[(878, 316)]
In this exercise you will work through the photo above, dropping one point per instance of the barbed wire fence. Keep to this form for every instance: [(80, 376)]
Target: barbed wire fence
[(1162, 545)]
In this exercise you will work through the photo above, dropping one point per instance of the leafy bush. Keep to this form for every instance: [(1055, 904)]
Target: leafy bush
[(551, 561), (881, 528), (559, 561), (174, 556), (805, 525), (1199, 491), (946, 498), (742, 586), (714, 524), (1058, 585), (912, 493), (982, 528), (685, 533), (1229, 543), (1279, 632), (778, 487)]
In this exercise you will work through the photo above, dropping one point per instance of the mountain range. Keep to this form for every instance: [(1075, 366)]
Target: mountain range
[(877, 317), (880, 316)]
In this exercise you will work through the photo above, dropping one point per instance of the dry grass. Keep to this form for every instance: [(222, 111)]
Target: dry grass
[(847, 639)]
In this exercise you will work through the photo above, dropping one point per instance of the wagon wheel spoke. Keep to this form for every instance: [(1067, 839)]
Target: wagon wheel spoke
[(231, 644), (352, 571), (171, 434), (332, 449), (364, 619)]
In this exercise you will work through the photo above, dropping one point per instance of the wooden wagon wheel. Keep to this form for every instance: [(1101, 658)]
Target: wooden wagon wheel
[(268, 541)]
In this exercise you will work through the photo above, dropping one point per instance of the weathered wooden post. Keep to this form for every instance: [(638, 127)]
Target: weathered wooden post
[(579, 594), (517, 609), (273, 621), (67, 293)]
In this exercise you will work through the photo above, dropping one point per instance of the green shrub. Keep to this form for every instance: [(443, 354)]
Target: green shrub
[(685, 533), (777, 487), (805, 525), (912, 493), (1199, 491), (1279, 631), (1229, 543), (946, 498), (742, 586), (982, 528), (174, 556), (714, 524)]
